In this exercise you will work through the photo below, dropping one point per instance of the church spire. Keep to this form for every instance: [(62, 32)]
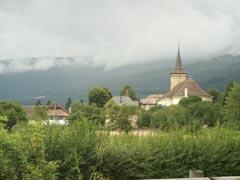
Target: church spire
[(178, 59), (178, 65), (177, 75)]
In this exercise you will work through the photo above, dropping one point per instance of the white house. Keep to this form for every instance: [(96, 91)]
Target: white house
[(180, 87)]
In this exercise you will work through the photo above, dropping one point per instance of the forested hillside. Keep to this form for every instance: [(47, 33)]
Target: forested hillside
[(60, 82)]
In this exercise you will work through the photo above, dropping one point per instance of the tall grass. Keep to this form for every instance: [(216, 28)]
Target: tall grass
[(82, 151), (172, 154)]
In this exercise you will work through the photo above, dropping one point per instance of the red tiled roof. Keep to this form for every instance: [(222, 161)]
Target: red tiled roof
[(192, 87), (151, 99), (54, 110), (29, 110)]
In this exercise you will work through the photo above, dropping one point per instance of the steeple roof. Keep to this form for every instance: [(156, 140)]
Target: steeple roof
[(178, 65), (178, 59)]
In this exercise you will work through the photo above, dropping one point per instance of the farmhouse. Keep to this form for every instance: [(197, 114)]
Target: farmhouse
[(121, 100), (55, 112), (150, 101), (180, 87)]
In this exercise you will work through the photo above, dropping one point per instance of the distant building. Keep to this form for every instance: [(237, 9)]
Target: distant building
[(150, 101), (120, 101), (183, 89), (55, 112), (124, 100), (180, 87)]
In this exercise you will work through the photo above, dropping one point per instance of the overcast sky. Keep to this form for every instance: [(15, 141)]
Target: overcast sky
[(119, 31)]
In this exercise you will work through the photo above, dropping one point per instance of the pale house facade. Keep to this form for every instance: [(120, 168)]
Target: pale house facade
[(55, 112)]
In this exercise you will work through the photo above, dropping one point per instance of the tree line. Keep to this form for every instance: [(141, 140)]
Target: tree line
[(85, 149), (191, 113)]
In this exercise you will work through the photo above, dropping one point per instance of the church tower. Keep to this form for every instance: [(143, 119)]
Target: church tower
[(177, 75)]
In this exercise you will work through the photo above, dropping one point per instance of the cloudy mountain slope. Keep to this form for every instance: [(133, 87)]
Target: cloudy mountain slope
[(62, 77)]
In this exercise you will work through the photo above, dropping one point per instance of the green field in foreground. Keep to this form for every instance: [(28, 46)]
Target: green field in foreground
[(83, 151), (172, 154)]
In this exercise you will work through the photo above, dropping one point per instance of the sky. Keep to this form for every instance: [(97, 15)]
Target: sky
[(118, 32)]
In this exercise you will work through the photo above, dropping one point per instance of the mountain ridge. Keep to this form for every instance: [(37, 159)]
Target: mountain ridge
[(71, 80)]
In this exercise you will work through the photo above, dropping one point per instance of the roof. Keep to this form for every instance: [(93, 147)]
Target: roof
[(57, 113), (178, 65), (29, 110), (54, 110), (121, 100), (178, 59), (151, 99), (191, 85)]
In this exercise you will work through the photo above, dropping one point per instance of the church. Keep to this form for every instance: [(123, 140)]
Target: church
[(180, 86)]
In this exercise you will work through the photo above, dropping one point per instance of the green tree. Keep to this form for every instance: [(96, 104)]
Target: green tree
[(111, 112), (126, 117), (144, 118), (120, 117), (48, 102), (226, 94), (189, 100), (109, 93), (68, 103), (38, 102), (129, 91), (232, 107), (81, 101), (99, 96), (203, 113), (40, 113), (159, 119), (81, 111), (176, 117), (215, 94), (13, 111), (37, 167)]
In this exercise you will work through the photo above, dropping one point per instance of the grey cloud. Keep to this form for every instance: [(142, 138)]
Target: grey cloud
[(118, 32)]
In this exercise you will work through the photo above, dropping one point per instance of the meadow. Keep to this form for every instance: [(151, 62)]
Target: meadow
[(83, 150)]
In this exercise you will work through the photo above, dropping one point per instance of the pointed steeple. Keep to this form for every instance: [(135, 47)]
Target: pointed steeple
[(178, 59), (178, 65), (177, 75)]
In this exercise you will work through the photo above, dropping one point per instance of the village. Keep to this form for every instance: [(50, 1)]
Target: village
[(102, 90), (181, 86)]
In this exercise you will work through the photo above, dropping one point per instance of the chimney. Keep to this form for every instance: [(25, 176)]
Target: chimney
[(186, 92), (69, 110), (54, 108)]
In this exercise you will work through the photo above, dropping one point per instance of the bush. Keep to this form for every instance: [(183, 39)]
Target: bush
[(171, 155), (83, 151)]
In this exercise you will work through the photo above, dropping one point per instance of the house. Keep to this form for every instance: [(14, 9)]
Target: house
[(55, 112), (150, 101), (180, 86), (121, 100), (183, 89)]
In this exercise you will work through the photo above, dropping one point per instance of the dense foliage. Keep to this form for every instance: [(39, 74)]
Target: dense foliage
[(68, 103), (83, 151), (99, 96), (232, 107), (120, 117), (81, 111), (129, 91), (13, 111)]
